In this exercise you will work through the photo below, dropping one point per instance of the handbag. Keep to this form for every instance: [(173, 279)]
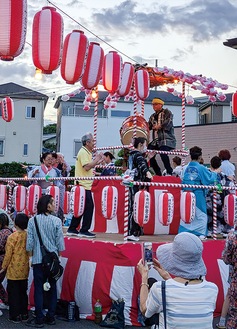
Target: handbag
[(50, 261), (115, 317)]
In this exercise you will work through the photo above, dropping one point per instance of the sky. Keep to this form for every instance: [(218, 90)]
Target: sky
[(183, 35)]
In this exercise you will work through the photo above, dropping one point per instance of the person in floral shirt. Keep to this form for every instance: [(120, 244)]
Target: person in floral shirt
[(16, 263), (5, 231)]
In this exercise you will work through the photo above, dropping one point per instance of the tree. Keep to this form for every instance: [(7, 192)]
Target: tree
[(50, 129)]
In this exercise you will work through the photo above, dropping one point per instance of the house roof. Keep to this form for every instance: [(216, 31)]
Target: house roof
[(14, 90), (206, 103)]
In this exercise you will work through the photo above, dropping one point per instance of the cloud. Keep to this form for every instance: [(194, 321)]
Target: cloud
[(202, 20)]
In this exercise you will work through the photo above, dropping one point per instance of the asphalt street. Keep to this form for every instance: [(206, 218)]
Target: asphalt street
[(82, 324)]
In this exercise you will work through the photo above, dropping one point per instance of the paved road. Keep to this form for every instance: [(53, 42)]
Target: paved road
[(82, 324)]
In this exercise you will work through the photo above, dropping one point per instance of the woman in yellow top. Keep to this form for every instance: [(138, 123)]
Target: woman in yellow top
[(16, 263)]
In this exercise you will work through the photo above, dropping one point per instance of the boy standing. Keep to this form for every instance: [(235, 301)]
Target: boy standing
[(16, 263)]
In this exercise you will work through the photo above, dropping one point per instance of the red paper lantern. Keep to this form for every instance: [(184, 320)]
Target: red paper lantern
[(66, 202), (74, 54), (77, 200), (13, 24), (47, 39), (54, 191), (141, 207), (33, 194), (142, 84), (19, 197), (111, 73), (187, 207), (93, 68), (230, 209), (109, 201), (7, 109), (3, 196), (234, 104), (165, 208), (127, 79)]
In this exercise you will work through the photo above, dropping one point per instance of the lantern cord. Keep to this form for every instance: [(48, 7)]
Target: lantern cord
[(95, 35)]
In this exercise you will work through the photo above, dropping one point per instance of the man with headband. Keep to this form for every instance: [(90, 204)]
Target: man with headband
[(162, 135)]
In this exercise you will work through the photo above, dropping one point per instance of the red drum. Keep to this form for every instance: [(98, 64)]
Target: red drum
[(126, 131)]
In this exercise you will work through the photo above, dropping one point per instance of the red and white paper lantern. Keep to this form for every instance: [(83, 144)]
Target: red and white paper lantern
[(75, 49), (77, 200), (54, 191), (47, 39), (127, 79), (142, 84), (93, 68), (141, 207), (3, 196), (7, 106), (112, 70), (165, 208), (109, 202), (13, 25), (33, 194), (66, 202), (234, 104), (230, 209), (19, 197), (187, 206)]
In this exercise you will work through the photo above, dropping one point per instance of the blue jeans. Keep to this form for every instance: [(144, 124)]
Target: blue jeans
[(39, 294)]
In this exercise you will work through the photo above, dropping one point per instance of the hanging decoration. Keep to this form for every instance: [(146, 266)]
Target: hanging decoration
[(13, 26), (77, 200), (187, 206), (165, 208), (66, 203), (47, 39), (54, 191), (230, 209), (109, 201), (74, 54), (19, 198), (7, 106), (93, 67), (111, 73), (234, 104), (3, 196), (33, 194), (141, 207), (142, 84), (127, 79)]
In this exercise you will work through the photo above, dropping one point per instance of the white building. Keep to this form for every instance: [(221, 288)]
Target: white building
[(21, 139)]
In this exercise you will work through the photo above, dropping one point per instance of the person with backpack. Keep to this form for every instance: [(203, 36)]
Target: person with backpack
[(138, 167)]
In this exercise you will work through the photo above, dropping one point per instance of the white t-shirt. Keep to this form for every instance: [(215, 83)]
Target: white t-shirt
[(187, 307)]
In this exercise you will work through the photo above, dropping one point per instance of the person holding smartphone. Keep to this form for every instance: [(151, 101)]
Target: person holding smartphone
[(190, 299)]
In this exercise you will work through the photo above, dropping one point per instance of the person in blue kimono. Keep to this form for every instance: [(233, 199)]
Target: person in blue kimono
[(197, 174)]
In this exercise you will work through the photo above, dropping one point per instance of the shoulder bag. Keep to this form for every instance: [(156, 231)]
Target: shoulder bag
[(50, 261)]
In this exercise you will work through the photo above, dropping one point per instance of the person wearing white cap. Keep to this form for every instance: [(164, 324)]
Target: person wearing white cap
[(190, 299)]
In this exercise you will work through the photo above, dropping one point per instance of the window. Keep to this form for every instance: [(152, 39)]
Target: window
[(76, 147), (120, 114), (30, 112), (25, 149), (1, 147)]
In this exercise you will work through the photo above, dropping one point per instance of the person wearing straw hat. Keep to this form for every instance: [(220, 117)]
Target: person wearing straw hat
[(190, 299), (162, 135)]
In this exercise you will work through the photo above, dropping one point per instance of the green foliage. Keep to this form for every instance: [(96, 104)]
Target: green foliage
[(13, 169), (50, 129), (50, 146)]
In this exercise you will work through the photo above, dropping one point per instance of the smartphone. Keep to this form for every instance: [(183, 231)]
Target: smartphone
[(147, 253)]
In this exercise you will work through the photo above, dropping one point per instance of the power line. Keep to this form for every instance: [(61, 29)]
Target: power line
[(95, 35)]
